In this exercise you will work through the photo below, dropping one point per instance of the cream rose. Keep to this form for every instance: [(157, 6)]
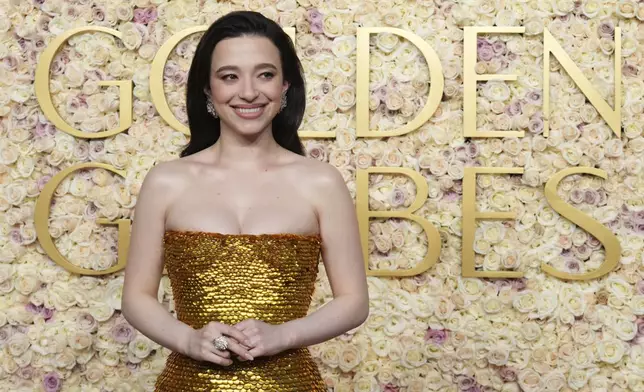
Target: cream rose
[(530, 381), (525, 301), (578, 378), (18, 344), (611, 351), (349, 358)]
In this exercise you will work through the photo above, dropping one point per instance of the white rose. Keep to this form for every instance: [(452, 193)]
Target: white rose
[(584, 358), (333, 25), (18, 344), (9, 152), (444, 308), (109, 358), (412, 358), (26, 283), (350, 357), (598, 383), (611, 351), (65, 359), (344, 96), (132, 37), (114, 292), (546, 305), (74, 73), (79, 340), (498, 355), (554, 381), (94, 372), (530, 331), (582, 333), (365, 383), (591, 8), (21, 92), (471, 288), (530, 381), (637, 304), (387, 42), (577, 378), (525, 301), (322, 64), (618, 287), (15, 192), (343, 46), (100, 311), (492, 305), (496, 91), (575, 303), (624, 328)]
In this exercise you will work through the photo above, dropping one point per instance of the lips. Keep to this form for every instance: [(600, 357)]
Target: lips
[(249, 112)]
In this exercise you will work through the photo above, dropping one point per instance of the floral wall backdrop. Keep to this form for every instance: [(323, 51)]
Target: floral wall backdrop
[(433, 332)]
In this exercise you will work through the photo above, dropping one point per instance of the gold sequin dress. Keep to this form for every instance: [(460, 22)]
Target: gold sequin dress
[(233, 277)]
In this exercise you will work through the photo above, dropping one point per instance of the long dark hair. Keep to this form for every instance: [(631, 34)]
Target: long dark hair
[(205, 129)]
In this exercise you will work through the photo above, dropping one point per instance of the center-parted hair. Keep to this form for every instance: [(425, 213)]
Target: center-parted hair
[(205, 129)]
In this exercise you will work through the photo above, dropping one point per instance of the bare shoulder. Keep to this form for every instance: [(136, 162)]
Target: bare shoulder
[(166, 174), (319, 179), (168, 179)]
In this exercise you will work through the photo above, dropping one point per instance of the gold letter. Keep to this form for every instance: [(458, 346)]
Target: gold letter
[(471, 215), (157, 94), (470, 77), (362, 82), (612, 117), (605, 236), (42, 227), (44, 98), (362, 206)]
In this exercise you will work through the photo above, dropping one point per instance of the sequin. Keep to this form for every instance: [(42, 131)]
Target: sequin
[(233, 277)]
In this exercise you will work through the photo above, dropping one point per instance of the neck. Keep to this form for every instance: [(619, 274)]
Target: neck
[(245, 152)]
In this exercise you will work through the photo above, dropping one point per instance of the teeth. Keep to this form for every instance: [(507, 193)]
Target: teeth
[(253, 110)]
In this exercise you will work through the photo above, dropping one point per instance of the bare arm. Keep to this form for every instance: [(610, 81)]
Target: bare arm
[(144, 267), (143, 271), (343, 259)]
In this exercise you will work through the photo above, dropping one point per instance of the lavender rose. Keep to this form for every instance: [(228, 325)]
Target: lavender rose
[(51, 382), (123, 333)]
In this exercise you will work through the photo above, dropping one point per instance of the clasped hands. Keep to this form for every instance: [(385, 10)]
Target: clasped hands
[(247, 340)]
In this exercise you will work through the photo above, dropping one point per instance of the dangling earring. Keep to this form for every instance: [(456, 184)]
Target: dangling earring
[(210, 107), (283, 103)]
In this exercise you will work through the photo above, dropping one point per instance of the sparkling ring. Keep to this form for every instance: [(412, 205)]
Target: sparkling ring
[(221, 343)]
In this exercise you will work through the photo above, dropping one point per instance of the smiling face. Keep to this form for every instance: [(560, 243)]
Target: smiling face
[(246, 83)]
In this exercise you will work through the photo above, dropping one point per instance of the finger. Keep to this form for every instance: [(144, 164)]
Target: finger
[(219, 360), (244, 324), (236, 348), (256, 351), (209, 346), (235, 333)]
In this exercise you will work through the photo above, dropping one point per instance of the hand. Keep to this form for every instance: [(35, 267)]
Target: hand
[(201, 348), (263, 339)]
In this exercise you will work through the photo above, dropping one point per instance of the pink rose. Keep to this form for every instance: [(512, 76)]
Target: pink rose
[(438, 336)]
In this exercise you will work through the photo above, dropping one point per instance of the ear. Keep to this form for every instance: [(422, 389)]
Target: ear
[(285, 86)]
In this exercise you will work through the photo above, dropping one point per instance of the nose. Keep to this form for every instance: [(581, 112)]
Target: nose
[(248, 91)]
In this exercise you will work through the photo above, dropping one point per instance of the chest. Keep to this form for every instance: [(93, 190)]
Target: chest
[(243, 204)]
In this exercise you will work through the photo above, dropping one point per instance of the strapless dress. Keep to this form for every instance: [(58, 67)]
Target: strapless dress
[(232, 277)]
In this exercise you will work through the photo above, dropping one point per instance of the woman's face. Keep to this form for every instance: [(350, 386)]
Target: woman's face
[(246, 83)]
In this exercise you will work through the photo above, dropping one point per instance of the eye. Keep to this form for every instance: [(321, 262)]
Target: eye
[(229, 77), (267, 75)]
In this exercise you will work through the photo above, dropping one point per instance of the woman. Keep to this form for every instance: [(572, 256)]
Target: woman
[(240, 221)]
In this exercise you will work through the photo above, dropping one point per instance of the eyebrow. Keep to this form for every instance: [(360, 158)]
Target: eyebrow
[(235, 68)]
